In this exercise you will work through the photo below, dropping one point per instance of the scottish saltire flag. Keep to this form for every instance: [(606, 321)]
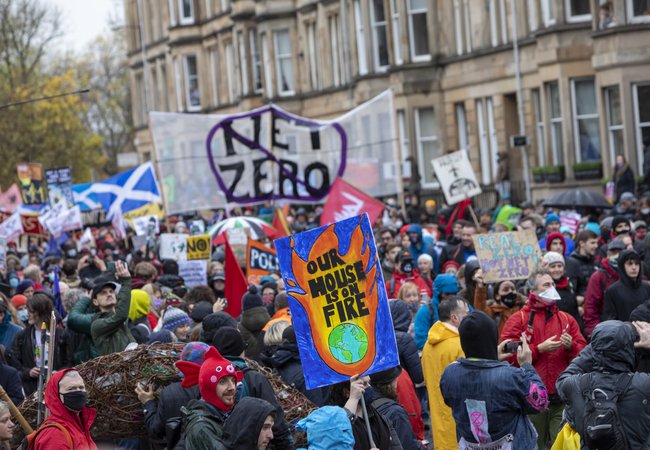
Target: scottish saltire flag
[(121, 193)]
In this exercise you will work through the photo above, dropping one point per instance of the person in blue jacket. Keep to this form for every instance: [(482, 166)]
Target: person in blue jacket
[(328, 428), (421, 244), (445, 285)]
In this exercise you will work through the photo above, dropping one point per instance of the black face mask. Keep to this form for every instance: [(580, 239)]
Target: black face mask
[(75, 400), (509, 299), (406, 267)]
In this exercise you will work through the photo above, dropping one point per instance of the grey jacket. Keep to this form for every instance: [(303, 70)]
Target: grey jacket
[(610, 354)]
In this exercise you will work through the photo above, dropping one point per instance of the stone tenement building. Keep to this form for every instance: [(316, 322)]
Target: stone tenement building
[(585, 74)]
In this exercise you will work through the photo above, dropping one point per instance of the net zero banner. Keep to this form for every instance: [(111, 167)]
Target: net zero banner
[(507, 256), (338, 301)]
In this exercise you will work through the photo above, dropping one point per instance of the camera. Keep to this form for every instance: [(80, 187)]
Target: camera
[(511, 347)]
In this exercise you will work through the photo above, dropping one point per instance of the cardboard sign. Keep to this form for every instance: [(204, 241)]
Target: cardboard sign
[(338, 301), (260, 261), (456, 177), (59, 185), (507, 256), (173, 246), (198, 247), (30, 177), (194, 273)]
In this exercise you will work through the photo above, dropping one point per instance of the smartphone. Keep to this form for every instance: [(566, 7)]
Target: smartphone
[(110, 267), (511, 347)]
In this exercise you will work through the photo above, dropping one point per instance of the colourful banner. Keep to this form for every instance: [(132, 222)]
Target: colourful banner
[(59, 185), (30, 176), (507, 256), (338, 302), (347, 201), (260, 261), (11, 199)]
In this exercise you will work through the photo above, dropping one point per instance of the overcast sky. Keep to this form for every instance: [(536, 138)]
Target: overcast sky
[(83, 20)]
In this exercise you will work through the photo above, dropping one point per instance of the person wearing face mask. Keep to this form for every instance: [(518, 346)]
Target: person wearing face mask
[(554, 339), (629, 292), (405, 271), (598, 283), (507, 301), (71, 418), (554, 263)]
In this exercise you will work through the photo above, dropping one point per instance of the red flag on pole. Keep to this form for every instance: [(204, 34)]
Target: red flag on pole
[(280, 223), (236, 284), (346, 201)]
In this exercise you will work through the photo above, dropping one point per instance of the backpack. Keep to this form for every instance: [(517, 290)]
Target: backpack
[(30, 440), (601, 426)]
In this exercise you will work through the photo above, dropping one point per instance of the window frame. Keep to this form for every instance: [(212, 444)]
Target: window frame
[(631, 18), (359, 28), (461, 126), (335, 53), (549, 18), (214, 67), (611, 127), (187, 81), (458, 27), (396, 32), (575, 119), (375, 25), (267, 64), (484, 142), (540, 126), (492, 136), (419, 141), (280, 57), (242, 57), (411, 13), (179, 85), (578, 18), (638, 125), (404, 143), (555, 123), (231, 72), (186, 20), (505, 32), (172, 13), (492, 12), (256, 61)]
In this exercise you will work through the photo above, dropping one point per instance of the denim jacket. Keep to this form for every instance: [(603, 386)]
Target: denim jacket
[(490, 399)]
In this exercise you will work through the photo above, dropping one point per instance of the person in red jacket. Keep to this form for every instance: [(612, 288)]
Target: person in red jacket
[(404, 272), (599, 281), (554, 339), (65, 396)]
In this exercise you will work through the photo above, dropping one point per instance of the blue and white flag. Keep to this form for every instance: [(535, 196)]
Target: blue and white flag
[(121, 193)]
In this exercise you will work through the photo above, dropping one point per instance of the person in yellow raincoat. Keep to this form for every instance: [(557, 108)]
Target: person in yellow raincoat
[(442, 348)]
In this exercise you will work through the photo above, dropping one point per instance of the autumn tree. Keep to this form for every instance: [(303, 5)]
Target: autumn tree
[(51, 132)]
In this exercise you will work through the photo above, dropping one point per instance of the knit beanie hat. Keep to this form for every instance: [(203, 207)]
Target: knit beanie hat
[(194, 352), (479, 336), (23, 286), (161, 337), (172, 299), (229, 341), (18, 301), (553, 257), (289, 335), (617, 220), (214, 368), (175, 318), (552, 218), (213, 322), (200, 310), (251, 299)]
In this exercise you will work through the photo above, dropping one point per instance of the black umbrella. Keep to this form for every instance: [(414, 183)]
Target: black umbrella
[(577, 198)]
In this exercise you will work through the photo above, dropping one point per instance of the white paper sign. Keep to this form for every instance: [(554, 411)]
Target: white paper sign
[(68, 220), (570, 219), (86, 240), (55, 211), (194, 273), (141, 225), (12, 227), (456, 177), (173, 246)]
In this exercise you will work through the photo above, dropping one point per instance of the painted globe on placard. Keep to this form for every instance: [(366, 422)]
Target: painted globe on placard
[(348, 343)]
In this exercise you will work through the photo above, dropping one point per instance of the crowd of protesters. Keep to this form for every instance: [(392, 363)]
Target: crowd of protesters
[(452, 330)]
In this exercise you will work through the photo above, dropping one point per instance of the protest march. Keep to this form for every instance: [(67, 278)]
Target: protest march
[(252, 287)]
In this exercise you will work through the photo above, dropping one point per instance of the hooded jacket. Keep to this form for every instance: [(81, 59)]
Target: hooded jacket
[(548, 321), (138, 321), (328, 428), (599, 282), (109, 330), (286, 360), (569, 245), (78, 425), (642, 314), (399, 278), (442, 348), (244, 424), (428, 314), (579, 269), (8, 330), (203, 424), (627, 293), (396, 416), (610, 354), (250, 327), (423, 244), (408, 352), (168, 405)]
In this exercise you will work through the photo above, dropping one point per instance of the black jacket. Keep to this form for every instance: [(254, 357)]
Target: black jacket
[(408, 352), (642, 314), (243, 426), (452, 253), (569, 304), (624, 181), (286, 361), (170, 400), (379, 426), (579, 268), (397, 417), (21, 356), (250, 327), (610, 354), (140, 329), (622, 297), (10, 382), (257, 385)]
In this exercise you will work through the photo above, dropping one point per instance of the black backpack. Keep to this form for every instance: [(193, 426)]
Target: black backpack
[(602, 428)]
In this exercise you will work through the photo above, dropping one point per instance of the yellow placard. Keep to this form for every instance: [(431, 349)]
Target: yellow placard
[(198, 247), (150, 209)]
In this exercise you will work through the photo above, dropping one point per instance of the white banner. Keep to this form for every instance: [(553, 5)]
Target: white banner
[(49, 213), (173, 246), (86, 240), (456, 177), (194, 273), (207, 161), (12, 227)]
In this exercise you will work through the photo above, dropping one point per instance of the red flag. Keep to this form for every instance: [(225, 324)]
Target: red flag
[(346, 201), (457, 214), (280, 224), (236, 284)]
